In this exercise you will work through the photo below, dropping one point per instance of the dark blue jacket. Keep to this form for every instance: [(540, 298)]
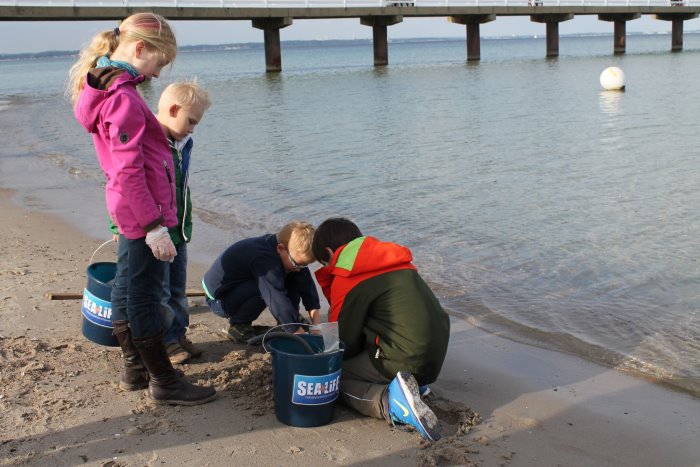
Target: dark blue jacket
[(256, 259)]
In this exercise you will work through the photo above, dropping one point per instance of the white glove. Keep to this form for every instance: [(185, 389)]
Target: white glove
[(161, 245)]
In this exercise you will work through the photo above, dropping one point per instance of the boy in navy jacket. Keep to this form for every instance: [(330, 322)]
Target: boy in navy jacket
[(267, 271)]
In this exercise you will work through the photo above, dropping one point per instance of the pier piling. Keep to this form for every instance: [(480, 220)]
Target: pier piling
[(619, 37), (676, 20), (552, 21), (472, 23), (379, 35), (273, 49), (677, 35), (620, 28)]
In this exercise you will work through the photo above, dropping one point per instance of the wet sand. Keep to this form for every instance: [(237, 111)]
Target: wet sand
[(500, 403)]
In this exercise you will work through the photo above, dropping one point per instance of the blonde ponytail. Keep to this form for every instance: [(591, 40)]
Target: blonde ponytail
[(103, 43)]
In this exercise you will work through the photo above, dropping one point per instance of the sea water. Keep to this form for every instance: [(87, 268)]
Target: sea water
[(536, 204)]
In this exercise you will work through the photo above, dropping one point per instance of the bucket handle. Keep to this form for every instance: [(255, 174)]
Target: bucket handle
[(282, 334), (98, 249)]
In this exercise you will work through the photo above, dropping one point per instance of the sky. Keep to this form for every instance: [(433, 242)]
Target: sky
[(23, 37)]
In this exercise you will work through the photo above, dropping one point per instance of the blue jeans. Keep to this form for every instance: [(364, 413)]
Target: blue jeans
[(241, 305), (174, 308), (138, 287)]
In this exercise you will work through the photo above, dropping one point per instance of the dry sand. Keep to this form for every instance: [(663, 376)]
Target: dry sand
[(60, 404)]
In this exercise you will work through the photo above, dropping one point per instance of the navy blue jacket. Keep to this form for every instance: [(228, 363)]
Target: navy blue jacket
[(256, 259)]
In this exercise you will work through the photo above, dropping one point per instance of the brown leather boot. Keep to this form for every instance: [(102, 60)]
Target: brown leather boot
[(165, 386), (134, 375)]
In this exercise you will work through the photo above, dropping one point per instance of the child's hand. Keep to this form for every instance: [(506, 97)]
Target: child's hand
[(315, 316), (161, 245)]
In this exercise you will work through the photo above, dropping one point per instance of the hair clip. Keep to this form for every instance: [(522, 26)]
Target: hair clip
[(116, 31)]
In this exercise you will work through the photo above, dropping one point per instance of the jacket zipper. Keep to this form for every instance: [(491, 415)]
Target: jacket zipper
[(184, 176), (185, 189), (184, 211), (170, 182)]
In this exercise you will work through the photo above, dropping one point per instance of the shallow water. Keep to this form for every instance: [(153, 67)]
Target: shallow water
[(536, 204)]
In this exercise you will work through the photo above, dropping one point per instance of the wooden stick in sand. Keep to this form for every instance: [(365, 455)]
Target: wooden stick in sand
[(79, 296)]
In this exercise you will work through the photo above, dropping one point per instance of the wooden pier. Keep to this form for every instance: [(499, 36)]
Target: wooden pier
[(378, 15)]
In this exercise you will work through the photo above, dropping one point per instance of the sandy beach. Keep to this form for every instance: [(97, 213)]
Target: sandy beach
[(500, 403)]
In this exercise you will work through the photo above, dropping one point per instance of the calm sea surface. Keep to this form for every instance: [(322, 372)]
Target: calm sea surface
[(536, 204)]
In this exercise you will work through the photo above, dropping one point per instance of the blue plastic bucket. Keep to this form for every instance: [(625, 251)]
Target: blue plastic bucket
[(306, 386), (97, 306)]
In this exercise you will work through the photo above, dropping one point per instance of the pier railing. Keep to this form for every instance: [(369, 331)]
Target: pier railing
[(346, 3)]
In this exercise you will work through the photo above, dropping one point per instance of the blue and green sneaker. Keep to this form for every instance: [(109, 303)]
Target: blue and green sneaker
[(406, 407)]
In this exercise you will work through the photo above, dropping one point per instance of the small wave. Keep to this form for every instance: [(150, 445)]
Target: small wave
[(7, 101), (483, 318)]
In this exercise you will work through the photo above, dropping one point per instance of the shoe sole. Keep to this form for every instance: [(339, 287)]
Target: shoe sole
[(180, 356), (224, 332), (132, 387), (426, 417), (179, 360)]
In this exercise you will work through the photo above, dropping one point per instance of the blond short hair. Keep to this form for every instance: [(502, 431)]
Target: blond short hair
[(185, 94), (298, 235)]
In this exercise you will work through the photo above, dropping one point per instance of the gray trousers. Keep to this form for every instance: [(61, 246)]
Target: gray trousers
[(363, 388)]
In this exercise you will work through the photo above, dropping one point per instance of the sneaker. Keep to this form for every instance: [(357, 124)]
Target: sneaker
[(177, 354), (405, 407), (422, 390), (189, 346), (239, 333)]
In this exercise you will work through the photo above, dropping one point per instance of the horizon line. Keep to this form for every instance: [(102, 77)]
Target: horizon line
[(58, 53)]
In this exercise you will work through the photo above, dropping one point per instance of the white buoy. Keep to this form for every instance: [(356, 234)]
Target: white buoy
[(613, 79)]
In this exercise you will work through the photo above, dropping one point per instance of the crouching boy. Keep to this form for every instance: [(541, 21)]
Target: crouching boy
[(267, 271), (394, 330)]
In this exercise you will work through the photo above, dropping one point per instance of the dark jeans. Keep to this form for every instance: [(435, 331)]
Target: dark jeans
[(137, 287), (243, 304), (174, 307)]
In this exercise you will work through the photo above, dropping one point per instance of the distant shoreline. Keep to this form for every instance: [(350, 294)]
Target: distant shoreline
[(326, 42)]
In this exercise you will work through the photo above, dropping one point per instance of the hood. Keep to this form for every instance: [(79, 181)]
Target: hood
[(100, 84), (369, 255)]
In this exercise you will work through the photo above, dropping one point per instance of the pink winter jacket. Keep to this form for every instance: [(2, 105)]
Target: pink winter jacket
[(132, 150)]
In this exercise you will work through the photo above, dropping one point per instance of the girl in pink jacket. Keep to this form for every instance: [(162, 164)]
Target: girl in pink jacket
[(134, 154)]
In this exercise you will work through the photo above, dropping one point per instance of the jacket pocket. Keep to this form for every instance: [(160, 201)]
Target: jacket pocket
[(375, 347)]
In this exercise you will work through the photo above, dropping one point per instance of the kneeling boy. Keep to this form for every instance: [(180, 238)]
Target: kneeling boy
[(394, 330)]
